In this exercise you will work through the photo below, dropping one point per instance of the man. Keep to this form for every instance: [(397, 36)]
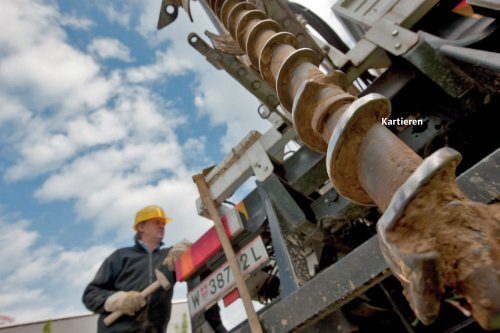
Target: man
[(127, 271)]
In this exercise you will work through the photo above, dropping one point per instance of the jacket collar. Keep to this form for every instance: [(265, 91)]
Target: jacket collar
[(141, 245)]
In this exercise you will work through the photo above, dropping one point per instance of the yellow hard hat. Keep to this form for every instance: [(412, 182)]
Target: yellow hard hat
[(150, 212)]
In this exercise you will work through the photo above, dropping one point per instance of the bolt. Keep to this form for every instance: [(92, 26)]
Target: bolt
[(241, 72), (395, 32), (256, 84), (397, 46)]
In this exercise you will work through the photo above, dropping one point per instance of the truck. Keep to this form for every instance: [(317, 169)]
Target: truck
[(384, 214)]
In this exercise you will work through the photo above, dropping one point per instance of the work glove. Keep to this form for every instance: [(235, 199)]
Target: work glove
[(128, 302), (174, 253)]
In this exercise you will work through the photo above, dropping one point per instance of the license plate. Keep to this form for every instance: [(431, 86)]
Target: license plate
[(221, 281)]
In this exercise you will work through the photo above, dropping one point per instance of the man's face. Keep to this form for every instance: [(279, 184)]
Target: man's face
[(153, 229)]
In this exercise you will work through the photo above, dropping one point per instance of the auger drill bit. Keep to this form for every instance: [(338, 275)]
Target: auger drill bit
[(431, 235)]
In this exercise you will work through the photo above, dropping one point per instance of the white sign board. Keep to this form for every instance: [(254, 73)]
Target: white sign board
[(221, 281)]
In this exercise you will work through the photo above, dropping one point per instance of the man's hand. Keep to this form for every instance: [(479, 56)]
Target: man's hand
[(174, 253), (128, 302)]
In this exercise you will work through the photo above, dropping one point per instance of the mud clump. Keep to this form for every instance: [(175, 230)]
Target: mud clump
[(466, 235)]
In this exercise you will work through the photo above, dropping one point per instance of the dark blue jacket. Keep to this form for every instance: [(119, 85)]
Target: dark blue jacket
[(131, 268)]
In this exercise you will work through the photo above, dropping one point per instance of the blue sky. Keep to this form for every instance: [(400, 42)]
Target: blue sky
[(100, 115)]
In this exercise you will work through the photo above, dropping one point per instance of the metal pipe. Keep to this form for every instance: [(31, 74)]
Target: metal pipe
[(382, 154)]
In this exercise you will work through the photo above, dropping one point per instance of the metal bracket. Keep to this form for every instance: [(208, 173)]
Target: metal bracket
[(170, 10), (251, 157), (364, 55), (245, 75), (387, 19), (391, 37)]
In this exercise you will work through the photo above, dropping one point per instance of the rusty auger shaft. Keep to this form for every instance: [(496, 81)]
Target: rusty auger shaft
[(431, 235)]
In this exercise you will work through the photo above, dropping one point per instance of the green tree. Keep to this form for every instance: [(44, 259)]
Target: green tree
[(47, 328)]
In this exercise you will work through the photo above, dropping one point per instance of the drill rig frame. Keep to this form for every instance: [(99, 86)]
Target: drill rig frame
[(387, 203)]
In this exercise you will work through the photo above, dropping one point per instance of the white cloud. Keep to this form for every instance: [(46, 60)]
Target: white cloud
[(18, 239), (109, 48), (218, 95), (230, 104), (166, 64), (18, 31), (194, 152), (12, 298), (121, 15), (113, 140), (37, 60), (55, 74), (110, 186), (13, 111), (75, 22), (41, 156), (42, 280), (122, 146), (114, 150)]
